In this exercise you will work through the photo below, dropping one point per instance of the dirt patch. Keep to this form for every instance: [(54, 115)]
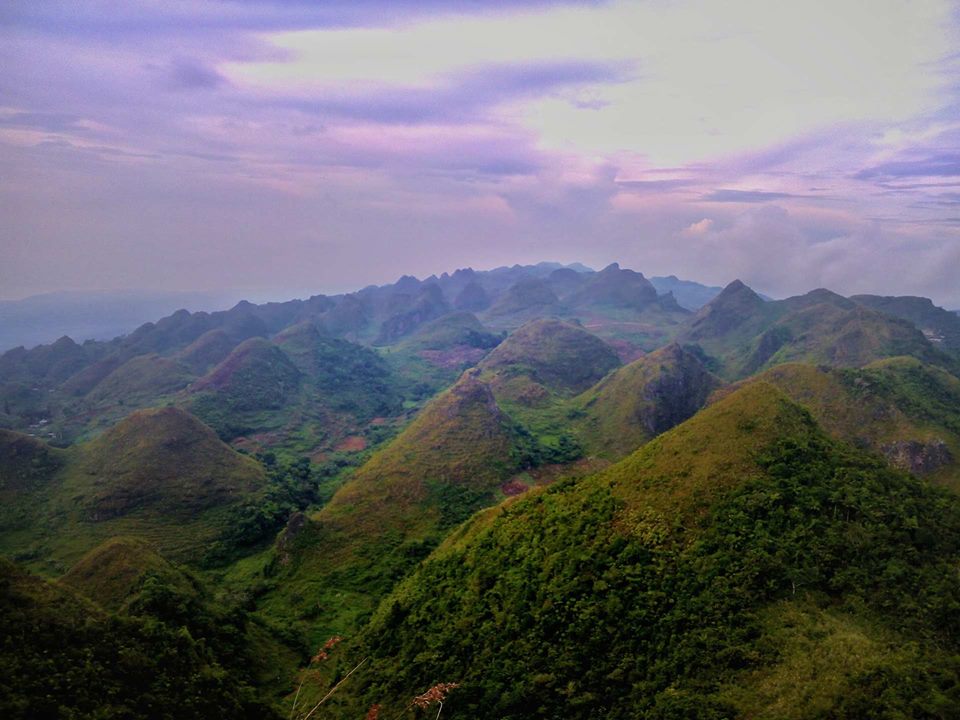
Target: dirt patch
[(513, 487), (626, 351), (354, 443), (454, 358)]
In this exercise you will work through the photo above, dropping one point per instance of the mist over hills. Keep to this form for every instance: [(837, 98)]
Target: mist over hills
[(573, 493)]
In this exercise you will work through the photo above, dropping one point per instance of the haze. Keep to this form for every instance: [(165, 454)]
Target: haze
[(269, 145)]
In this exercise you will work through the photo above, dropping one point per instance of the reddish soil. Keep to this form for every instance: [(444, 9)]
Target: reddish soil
[(354, 443), (513, 487)]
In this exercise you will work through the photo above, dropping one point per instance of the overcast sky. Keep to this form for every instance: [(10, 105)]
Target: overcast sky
[(319, 147)]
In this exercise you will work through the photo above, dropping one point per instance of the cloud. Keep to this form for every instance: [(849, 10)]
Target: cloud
[(459, 97), (190, 74), (935, 164), (745, 196), (344, 139)]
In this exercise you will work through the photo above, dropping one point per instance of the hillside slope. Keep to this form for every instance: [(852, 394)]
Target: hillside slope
[(900, 408), (159, 474), (698, 578)]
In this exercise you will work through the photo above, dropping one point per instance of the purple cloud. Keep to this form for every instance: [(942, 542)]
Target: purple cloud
[(461, 97), (934, 164), (190, 74), (745, 196)]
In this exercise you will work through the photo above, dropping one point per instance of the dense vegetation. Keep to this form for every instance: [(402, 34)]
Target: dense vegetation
[(589, 600), (169, 656), (417, 479)]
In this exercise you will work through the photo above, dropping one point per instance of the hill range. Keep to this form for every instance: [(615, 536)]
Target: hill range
[(541, 491)]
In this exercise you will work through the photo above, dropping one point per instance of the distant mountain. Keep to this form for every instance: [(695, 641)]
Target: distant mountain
[(690, 295), (743, 333), (941, 327), (91, 315)]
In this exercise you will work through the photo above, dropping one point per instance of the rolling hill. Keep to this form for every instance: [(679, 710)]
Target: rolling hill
[(159, 474), (702, 577)]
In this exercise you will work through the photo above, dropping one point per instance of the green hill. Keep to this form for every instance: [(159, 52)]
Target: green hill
[(641, 400), (206, 351), (340, 375), (140, 381), (447, 463), (62, 656), (256, 375), (705, 576), (742, 334), (556, 355), (900, 408), (164, 460), (159, 474), (454, 330), (114, 573)]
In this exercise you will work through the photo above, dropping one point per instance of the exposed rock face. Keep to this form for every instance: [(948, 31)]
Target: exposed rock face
[(295, 525), (680, 390), (917, 457)]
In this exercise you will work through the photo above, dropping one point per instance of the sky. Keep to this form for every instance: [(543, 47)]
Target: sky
[(295, 147)]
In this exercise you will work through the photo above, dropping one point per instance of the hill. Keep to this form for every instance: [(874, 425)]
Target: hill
[(554, 354), (698, 578), (639, 401), (450, 461), (527, 298), (114, 573), (900, 408), (742, 334), (941, 327), (159, 474)]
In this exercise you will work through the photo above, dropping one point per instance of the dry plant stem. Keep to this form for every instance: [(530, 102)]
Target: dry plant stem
[(439, 710), (294, 707), (334, 689)]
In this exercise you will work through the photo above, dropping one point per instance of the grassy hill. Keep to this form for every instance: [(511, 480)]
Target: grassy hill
[(447, 463), (742, 334), (900, 408), (641, 400), (556, 355), (159, 474), (702, 577)]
